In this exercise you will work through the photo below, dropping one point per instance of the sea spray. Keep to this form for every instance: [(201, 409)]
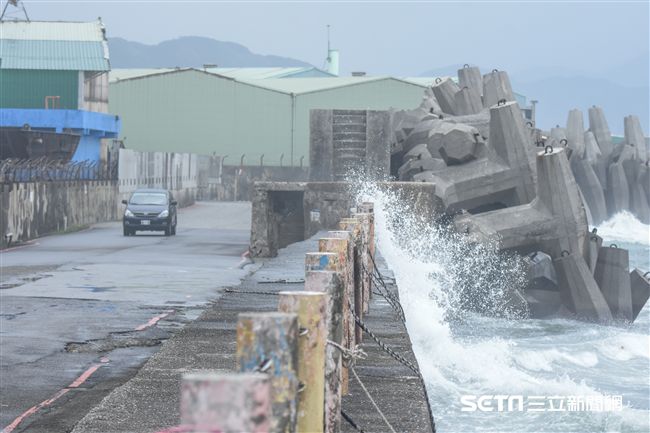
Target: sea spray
[(460, 352)]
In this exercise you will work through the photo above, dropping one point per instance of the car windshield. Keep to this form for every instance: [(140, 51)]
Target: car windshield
[(151, 198)]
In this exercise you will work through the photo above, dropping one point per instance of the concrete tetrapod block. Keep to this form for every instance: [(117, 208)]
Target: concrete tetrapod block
[(418, 152), (613, 278), (413, 167), (435, 136), (226, 402), (591, 189), (541, 272), (592, 151), (542, 303), (643, 178), (618, 190), (640, 287), (467, 101), (575, 133), (599, 127), (634, 135), (420, 133), (510, 141), (445, 91), (496, 86), (555, 221), (470, 77), (639, 203), (592, 246), (579, 291), (460, 144), (271, 340)]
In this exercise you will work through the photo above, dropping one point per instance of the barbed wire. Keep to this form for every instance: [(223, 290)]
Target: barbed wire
[(43, 169)]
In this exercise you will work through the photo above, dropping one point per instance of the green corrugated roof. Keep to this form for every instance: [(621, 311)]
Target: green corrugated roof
[(125, 74), (52, 31), (53, 55), (60, 46)]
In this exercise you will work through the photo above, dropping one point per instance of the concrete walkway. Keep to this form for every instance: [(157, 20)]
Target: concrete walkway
[(149, 402)]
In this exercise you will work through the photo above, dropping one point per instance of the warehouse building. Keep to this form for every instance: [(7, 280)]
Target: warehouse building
[(54, 80), (258, 114)]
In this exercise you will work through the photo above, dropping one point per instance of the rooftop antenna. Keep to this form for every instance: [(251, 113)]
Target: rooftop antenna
[(17, 4), (332, 60)]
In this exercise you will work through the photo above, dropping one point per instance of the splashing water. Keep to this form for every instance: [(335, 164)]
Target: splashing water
[(461, 352)]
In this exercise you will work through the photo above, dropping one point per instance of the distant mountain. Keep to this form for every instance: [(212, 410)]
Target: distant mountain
[(190, 51)]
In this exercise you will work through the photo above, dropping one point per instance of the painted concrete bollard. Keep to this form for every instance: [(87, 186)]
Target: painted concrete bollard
[(353, 225), (365, 221), (311, 308), (331, 283), (613, 278), (226, 402), (349, 282), (332, 261), (268, 343)]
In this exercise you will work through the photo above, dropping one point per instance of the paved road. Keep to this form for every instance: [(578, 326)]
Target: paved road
[(81, 312)]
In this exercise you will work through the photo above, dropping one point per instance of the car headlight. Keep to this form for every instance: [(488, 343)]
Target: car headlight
[(128, 213), (163, 214)]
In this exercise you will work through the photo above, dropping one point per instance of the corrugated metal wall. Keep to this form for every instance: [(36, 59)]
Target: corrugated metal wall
[(190, 111), (28, 88)]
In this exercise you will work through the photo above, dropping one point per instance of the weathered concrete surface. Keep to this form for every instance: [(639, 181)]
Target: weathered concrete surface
[(579, 291), (82, 296), (599, 127), (150, 401), (445, 91), (613, 278), (575, 133), (35, 209), (496, 86), (591, 189), (555, 221), (470, 77), (640, 287)]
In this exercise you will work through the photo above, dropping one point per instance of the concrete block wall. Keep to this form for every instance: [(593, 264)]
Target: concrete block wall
[(34, 209), (321, 205)]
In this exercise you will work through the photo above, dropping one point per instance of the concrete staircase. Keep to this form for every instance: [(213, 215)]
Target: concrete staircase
[(349, 142)]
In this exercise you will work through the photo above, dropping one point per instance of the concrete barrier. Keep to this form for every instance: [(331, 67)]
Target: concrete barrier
[(640, 289)]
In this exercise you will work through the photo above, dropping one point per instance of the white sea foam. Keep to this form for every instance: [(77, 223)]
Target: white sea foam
[(625, 227), (425, 265)]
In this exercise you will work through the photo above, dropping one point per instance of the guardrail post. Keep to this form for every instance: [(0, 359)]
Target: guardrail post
[(311, 308), (332, 261), (369, 208), (226, 402), (268, 343), (331, 283)]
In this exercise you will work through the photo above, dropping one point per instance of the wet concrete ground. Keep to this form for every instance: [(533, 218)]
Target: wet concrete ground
[(80, 313), (149, 402)]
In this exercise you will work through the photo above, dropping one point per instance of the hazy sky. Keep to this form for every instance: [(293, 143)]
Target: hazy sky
[(399, 38)]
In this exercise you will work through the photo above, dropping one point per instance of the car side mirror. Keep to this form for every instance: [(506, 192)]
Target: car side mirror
[(174, 203), (124, 202)]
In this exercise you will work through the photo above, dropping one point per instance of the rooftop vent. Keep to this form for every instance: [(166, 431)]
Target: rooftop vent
[(358, 74)]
